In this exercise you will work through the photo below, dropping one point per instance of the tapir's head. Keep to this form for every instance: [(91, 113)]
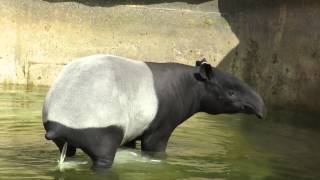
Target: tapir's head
[(224, 93)]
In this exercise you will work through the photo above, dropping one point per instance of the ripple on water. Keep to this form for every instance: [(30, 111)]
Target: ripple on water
[(204, 147)]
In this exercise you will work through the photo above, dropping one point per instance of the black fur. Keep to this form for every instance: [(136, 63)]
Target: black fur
[(178, 93), (184, 90)]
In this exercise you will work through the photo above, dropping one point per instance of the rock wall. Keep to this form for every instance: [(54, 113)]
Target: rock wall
[(278, 50), (273, 45)]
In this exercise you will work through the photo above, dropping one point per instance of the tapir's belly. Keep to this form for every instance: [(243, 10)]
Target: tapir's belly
[(101, 91)]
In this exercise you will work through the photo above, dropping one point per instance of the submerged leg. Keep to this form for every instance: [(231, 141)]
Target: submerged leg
[(155, 142), (101, 145), (131, 144)]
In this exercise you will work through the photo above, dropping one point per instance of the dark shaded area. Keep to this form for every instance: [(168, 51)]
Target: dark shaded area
[(279, 43), (294, 147), (106, 3), (296, 117)]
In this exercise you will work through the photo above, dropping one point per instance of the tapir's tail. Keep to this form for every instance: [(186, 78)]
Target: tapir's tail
[(52, 130), (51, 135)]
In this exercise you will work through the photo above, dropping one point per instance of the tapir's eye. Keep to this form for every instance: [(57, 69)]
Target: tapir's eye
[(231, 93)]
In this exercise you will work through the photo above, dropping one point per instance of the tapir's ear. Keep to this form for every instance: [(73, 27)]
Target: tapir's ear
[(204, 69), (199, 62)]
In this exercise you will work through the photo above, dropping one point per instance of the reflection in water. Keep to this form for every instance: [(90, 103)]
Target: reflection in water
[(205, 147)]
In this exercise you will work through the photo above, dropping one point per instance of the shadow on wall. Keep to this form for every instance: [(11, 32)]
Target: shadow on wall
[(106, 3), (279, 49)]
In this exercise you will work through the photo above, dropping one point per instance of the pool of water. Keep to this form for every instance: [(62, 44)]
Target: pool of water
[(204, 147)]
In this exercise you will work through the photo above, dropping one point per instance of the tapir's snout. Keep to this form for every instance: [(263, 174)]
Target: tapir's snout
[(256, 106), (260, 115), (260, 112)]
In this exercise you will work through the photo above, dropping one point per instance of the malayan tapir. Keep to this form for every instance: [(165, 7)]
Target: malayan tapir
[(101, 102)]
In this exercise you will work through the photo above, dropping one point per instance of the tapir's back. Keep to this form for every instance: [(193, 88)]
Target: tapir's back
[(100, 91)]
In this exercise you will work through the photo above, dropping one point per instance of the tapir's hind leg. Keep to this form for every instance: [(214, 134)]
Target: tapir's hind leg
[(101, 145), (71, 151)]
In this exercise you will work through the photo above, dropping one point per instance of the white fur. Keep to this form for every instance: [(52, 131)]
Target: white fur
[(103, 90)]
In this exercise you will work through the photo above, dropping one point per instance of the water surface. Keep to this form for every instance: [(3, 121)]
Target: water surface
[(204, 147)]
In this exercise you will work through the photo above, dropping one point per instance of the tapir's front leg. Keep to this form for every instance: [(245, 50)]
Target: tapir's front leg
[(155, 141)]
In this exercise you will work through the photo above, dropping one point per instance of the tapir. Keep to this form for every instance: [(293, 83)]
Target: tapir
[(101, 102)]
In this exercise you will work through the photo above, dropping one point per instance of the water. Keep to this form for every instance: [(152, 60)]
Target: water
[(204, 147), (63, 156)]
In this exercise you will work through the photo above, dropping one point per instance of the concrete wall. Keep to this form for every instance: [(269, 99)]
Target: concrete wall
[(273, 45), (39, 37)]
